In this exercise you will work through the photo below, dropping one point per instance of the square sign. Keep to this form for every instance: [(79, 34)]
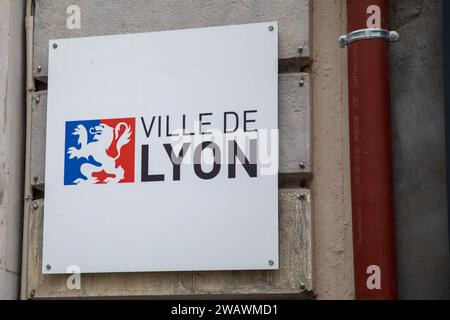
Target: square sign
[(162, 152)]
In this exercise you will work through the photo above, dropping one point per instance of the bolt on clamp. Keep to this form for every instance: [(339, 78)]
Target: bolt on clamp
[(366, 34)]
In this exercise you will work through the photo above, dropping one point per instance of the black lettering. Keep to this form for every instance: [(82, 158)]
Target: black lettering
[(198, 161), (149, 130), (145, 176), (225, 126), (234, 152), (168, 129), (204, 123), (176, 160), (184, 127), (249, 121)]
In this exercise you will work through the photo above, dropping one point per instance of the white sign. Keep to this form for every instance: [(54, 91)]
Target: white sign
[(162, 151)]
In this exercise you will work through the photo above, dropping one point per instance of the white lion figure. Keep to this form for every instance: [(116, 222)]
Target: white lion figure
[(104, 136)]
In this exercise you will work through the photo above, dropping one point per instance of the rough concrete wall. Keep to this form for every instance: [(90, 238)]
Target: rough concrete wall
[(11, 143), (331, 182), (419, 150)]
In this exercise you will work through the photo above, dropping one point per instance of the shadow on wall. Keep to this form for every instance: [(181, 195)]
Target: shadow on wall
[(419, 150)]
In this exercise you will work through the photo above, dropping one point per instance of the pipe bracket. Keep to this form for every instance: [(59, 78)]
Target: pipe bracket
[(367, 34)]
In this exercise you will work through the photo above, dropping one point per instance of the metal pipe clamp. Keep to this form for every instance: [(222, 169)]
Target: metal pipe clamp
[(366, 34)]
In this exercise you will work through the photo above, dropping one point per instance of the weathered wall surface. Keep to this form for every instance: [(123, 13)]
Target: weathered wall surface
[(293, 279), (108, 17), (11, 143), (419, 150), (331, 182), (295, 276), (418, 139)]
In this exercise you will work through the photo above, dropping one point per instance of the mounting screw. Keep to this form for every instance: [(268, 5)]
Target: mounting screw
[(270, 28), (38, 99), (48, 267), (301, 83), (302, 286), (35, 206), (394, 36), (32, 293), (301, 196), (35, 178), (39, 69), (271, 263), (300, 50), (55, 46), (302, 165)]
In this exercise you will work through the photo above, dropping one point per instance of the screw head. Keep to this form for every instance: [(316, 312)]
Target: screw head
[(270, 28), (301, 83), (55, 46), (302, 165), (48, 267), (300, 50), (394, 36), (35, 206), (32, 293), (302, 286), (271, 262), (39, 69), (38, 99), (301, 196)]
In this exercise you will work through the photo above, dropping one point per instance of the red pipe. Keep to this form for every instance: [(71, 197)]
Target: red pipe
[(371, 158)]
